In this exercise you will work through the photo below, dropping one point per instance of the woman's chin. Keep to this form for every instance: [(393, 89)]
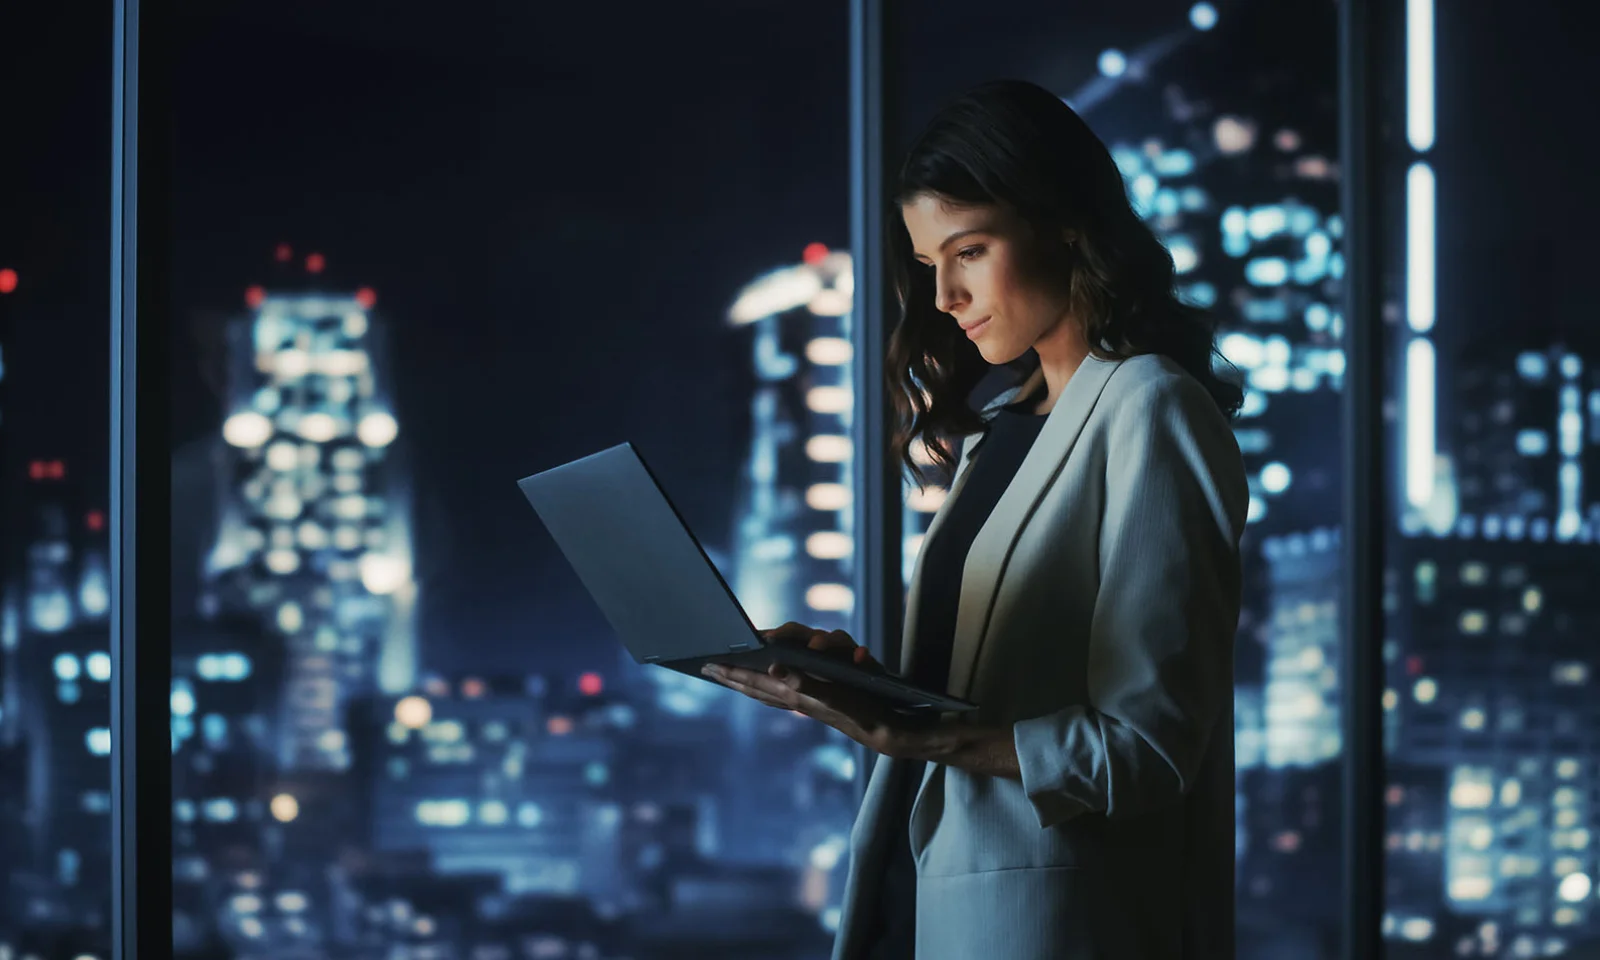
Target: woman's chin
[(998, 354)]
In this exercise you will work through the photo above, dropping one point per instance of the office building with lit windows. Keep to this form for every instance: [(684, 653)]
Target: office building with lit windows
[(1526, 434), (1300, 690), (315, 517), (1490, 685), (1415, 801), (226, 672), (58, 642), (794, 553), (482, 777), (67, 710)]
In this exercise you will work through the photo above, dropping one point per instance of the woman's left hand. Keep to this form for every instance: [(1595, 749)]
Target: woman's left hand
[(861, 718)]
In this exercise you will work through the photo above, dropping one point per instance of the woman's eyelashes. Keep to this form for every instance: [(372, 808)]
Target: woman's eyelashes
[(965, 253)]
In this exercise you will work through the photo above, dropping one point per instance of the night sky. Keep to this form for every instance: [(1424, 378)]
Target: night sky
[(556, 216)]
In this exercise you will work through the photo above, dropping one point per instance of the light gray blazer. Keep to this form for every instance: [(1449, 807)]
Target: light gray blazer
[(1097, 614)]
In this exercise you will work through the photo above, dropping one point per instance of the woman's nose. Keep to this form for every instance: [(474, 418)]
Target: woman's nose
[(945, 297)]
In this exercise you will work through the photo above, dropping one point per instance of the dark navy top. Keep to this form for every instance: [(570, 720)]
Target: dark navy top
[(1006, 441)]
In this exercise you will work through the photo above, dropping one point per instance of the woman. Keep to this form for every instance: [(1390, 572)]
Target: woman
[(1080, 583)]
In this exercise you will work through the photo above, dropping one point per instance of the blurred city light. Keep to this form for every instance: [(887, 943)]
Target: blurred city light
[(285, 808), (377, 429), (414, 712)]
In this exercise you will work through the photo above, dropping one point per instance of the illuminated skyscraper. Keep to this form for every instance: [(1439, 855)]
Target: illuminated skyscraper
[(794, 550), (483, 776), (226, 678), (63, 661), (1491, 687), (1415, 799), (794, 559), (1490, 674), (314, 532), (1525, 437), (1300, 705)]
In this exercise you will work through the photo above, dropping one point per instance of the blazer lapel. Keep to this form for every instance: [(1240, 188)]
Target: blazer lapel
[(991, 550), (908, 633)]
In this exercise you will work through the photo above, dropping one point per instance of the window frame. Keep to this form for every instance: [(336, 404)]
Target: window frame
[(141, 511)]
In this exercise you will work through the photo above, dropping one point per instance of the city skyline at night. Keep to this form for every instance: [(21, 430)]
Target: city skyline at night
[(434, 257)]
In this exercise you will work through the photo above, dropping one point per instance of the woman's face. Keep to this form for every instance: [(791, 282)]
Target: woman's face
[(984, 276)]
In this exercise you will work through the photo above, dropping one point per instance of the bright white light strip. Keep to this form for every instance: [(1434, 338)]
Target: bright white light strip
[(1420, 304), (1419, 74), (1419, 421), (1570, 479)]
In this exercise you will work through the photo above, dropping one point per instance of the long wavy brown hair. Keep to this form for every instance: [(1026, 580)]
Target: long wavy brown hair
[(1015, 145)]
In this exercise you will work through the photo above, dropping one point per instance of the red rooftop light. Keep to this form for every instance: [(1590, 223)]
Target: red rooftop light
[(255, 297), (590, 684), (8, 280), (96, 520), (316, 262), (366, 296), (815, 253), (284, 253)]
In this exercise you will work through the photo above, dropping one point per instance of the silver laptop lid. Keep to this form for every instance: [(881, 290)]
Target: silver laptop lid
[(637, 558)]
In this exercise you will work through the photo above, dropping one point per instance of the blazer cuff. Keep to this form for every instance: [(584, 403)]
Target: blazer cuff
[(1062, 761)]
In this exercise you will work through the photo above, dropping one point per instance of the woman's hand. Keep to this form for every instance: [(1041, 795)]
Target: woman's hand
[(833, 642), (858, 716)]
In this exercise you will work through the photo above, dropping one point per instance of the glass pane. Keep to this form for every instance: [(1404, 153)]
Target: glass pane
[(418, 259), (55, 667), (1225, 126), (1492, 564)]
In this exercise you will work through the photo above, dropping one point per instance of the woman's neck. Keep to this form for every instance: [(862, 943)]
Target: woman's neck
[(1061, 352)]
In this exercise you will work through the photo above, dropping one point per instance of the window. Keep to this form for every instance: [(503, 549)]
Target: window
[(55, 181), (416, 263), (1493, 446)]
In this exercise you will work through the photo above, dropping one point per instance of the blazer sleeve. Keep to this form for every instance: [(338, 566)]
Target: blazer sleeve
[(1161, 640)]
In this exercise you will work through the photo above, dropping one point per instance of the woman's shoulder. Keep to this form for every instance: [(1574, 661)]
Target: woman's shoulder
[(1150, 394), (1158, 380)]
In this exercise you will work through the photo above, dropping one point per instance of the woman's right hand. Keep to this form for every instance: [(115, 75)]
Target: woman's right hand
[(834, 642)]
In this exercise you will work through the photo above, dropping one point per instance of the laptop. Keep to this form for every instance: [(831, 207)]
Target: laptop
[(666, 600)]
